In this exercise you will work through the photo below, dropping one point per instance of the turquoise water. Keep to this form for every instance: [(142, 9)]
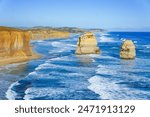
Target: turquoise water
[(62, 75)]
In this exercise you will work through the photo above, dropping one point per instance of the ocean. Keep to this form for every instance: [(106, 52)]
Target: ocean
[(62, 75)]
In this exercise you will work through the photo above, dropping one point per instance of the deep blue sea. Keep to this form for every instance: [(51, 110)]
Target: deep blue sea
[(62, 75)]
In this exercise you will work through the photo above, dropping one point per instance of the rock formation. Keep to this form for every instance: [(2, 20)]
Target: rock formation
[(87, 44), (14, 46), (47, 34), (128, 50)]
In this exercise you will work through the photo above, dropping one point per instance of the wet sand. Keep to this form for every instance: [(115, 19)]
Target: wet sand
[(11, 60)]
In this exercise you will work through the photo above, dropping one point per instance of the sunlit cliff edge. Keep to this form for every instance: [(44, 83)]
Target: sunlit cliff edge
[(15, 46), (37, 34)]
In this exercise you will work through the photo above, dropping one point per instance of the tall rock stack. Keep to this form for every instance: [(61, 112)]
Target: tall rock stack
[(87, 44), (128, 50)]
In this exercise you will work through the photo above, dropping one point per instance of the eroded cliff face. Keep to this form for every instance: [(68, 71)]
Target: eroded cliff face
[(14, 45), (128, 50), (47, 34)]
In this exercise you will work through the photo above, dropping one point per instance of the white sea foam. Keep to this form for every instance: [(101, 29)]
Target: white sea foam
[(33, 73), (72, 68), (55, 74), (143, 46), (122, 39), (109, 70), (40, 41), (98, 56), (104, 71), (44, 43), (106, 39), (108, 57), (10, 94), (31, 93), (36, 75), (62, 48), (148, 46), (62, 44), (57, 44), (63, 58), (145, 50), (71, 84), (109, 89), (94, 55), (105, 34), (115, 70)]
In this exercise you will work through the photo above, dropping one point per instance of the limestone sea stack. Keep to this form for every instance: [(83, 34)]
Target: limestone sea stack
[(87, 44), (15, 46), (128, 50)]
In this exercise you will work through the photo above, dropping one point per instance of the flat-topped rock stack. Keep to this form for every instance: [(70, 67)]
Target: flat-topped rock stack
[(128, 50), (87, 44)]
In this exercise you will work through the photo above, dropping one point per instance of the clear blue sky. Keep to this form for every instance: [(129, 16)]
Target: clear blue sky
[(106, 14)]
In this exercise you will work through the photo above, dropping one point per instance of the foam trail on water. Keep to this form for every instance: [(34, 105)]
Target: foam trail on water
[(109, 89), (106, 39), (120, 81), (10, 94), (42, 92)]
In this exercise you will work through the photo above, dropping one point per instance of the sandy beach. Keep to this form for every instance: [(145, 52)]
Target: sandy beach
[(6, 61)]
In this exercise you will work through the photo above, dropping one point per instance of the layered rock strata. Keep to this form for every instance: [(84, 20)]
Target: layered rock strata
[(47, 34), (87, 44), (15, 46), (128, 50)]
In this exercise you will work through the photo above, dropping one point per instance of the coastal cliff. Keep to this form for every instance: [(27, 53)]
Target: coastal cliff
[(47, 34), (15, 46)]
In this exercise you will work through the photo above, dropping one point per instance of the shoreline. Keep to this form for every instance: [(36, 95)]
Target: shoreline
[(19, 64), (10, 74), (12, 60)]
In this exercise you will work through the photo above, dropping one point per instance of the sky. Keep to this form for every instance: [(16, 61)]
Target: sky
[(107, 14)]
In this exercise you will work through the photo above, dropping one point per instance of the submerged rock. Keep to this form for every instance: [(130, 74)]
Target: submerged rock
[(87, 44), (128, 50)]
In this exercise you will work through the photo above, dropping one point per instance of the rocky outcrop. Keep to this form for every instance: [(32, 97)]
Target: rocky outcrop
[(87, 44), (14, 46), (47, 34), (128, 50)]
